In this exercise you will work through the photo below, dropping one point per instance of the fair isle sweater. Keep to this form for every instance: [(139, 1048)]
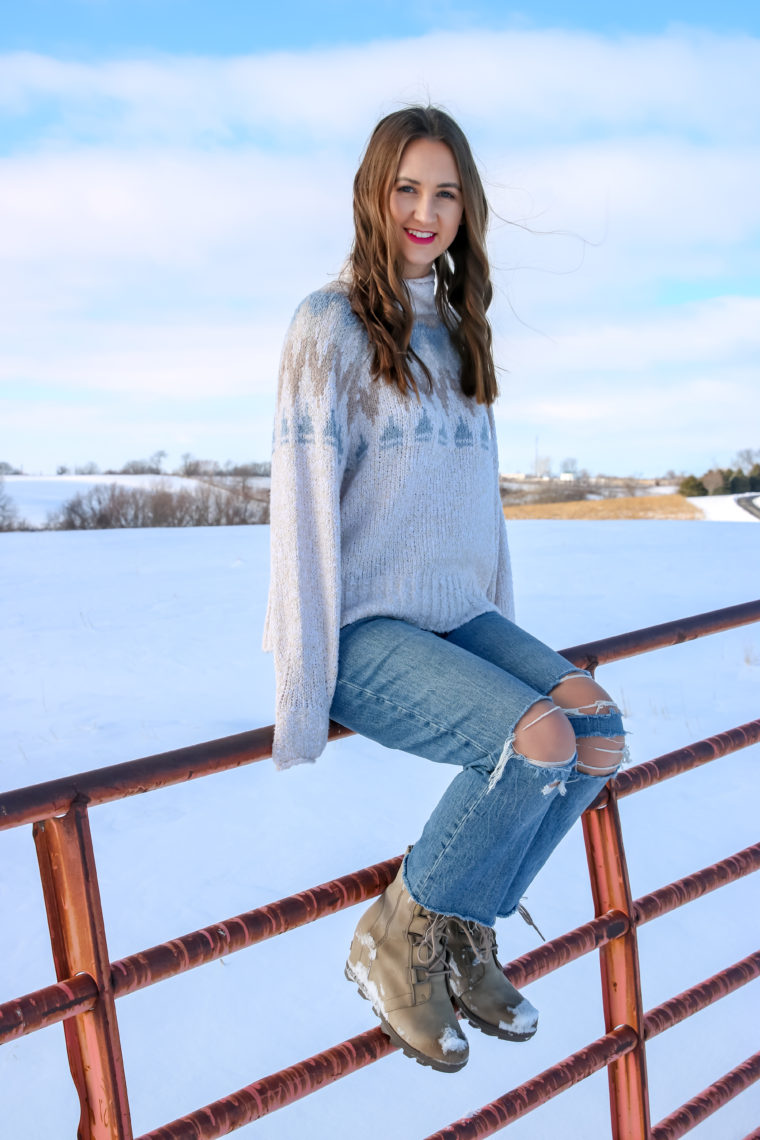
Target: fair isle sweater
[(382, 504)]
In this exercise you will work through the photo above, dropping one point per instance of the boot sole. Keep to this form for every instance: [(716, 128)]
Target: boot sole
[(399, 1042), (487, 1027)]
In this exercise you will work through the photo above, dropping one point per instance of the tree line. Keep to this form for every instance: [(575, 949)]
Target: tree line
[(190, 468), (743, 476)]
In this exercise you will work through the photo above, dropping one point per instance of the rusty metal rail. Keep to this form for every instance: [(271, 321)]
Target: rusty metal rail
[(84, 996), (104, 785)]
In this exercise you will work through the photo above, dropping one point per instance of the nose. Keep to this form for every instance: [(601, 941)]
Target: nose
[(424, 210)]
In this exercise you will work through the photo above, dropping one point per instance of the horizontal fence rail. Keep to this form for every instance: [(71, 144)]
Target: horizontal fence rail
[(87, 985), (559, 1078), (134, 777)]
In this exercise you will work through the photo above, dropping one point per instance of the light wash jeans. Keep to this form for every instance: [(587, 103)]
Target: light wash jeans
[(456, 698)]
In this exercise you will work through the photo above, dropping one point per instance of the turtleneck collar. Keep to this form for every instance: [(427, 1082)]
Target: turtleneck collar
[(422, 295)]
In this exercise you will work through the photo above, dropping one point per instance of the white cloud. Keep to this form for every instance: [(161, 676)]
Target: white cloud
[(672, 389), (722, 330), (520, 79), (158, 206), (165, 215), (630, 424), (186, 360)]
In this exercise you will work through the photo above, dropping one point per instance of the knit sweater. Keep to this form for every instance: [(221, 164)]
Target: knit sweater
[(382, 504)]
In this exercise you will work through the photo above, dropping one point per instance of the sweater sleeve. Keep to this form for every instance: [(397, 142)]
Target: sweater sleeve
[(504, 597), (308, 460)]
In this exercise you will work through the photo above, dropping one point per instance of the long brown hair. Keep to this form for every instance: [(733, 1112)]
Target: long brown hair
[(377, 292)]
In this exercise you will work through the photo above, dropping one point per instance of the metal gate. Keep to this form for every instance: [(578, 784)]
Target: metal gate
[(84, 997)]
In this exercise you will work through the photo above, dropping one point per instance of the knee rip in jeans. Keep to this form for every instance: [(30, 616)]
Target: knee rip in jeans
[(561, 768), (603, 722)]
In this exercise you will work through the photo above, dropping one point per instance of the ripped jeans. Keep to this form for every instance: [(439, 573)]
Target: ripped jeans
[(457, 698)]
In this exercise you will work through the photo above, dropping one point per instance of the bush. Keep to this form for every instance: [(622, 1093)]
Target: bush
[(723, 481), (110, 506), (738, 483), (690, 487), (8, 512), (139, 467), (248, 470)]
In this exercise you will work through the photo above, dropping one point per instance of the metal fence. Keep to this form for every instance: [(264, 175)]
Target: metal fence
[(84, 997)]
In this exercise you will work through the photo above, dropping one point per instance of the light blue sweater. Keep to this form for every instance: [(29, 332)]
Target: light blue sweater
[(382, 504)]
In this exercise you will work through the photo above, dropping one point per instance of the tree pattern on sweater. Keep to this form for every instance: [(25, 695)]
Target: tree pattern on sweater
[(382, 503)]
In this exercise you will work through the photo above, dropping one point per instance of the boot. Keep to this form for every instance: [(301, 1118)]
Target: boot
[(478, 986), (397, 960)]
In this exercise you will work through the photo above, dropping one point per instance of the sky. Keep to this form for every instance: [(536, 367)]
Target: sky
[(175, 177)]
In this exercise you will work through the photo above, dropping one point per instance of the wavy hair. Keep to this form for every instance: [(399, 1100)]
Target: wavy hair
[(377, 292)]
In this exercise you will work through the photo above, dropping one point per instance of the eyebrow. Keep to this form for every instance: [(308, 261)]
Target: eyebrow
[(415, 182)]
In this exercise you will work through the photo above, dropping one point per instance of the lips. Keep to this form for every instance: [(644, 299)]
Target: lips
[(420, 237)]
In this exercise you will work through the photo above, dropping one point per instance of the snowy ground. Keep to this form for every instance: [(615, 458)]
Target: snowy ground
[(724, 508), (119, 644)]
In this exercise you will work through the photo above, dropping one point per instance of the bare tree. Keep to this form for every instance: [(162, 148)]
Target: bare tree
[(746, 459), (8, 512), (108, 506), (714, 482)]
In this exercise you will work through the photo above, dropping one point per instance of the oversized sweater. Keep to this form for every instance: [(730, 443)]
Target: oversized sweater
[(382, 504)]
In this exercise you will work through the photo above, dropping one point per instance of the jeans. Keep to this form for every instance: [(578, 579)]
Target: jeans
[(456, 698)]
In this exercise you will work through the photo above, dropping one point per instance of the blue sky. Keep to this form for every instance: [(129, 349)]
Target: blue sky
[(175, 176), (232, 27)]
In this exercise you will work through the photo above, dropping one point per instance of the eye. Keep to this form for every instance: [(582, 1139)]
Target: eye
[(448, 194), (405, 189)]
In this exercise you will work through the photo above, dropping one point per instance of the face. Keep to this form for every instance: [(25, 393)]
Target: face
[(425, 205)]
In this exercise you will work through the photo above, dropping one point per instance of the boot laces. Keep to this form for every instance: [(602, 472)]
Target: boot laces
[(524, 914), (431, 948), (482, 940)]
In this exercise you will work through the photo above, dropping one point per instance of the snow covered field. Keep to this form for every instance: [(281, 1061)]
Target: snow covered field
[(119, 644)]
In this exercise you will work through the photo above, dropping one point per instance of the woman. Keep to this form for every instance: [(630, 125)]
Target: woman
[(391, 600)]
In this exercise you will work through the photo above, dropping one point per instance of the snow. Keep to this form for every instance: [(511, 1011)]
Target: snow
[(523, 1020), (119, 644), (368, 942), (722, 508), (358, 973), (451, 1042)]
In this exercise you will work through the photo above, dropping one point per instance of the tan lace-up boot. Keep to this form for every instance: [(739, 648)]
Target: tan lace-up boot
[(479, 988), (397, 959)]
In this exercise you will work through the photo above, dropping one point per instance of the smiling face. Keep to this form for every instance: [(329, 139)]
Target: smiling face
[(425, 205)]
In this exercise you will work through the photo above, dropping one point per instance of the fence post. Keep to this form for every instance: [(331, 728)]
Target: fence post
[(619, 960), (77, 934)]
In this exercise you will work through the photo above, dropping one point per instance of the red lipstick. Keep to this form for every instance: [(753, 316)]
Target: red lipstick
[(419, 240)]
